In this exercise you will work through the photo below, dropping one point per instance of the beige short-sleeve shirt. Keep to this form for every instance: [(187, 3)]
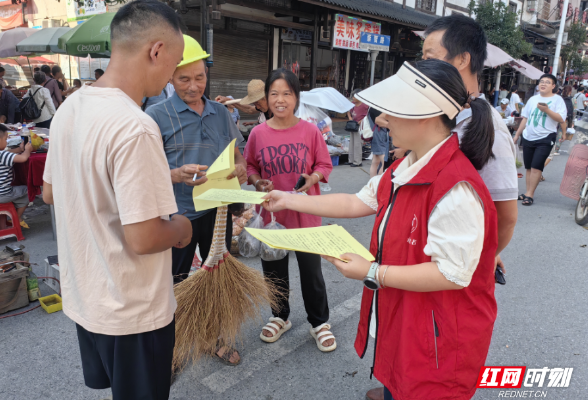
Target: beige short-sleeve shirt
[(107, 168)]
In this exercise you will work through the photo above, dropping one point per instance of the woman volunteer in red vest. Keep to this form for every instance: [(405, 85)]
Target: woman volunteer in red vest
[(429, 301)]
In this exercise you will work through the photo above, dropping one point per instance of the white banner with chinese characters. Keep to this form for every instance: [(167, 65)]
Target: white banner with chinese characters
[(348, 31)]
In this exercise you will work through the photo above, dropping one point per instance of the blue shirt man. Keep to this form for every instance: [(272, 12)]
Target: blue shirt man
[(192, 138), (195, 130)]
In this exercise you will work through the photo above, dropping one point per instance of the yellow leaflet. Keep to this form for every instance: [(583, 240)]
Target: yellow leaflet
[(217, 178), (331, 240), (232, 196), (224, 162)]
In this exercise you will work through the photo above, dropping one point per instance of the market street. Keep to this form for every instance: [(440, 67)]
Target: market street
[(542, 320)]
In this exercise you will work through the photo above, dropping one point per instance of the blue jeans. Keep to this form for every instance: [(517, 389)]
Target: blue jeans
[(387, 394)]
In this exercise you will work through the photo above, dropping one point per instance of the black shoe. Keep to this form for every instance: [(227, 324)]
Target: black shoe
[(355, 165), (346, 163)]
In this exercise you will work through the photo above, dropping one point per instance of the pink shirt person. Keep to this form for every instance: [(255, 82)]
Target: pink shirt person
[(281, 155)]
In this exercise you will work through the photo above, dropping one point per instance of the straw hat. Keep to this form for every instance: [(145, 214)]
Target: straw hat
[(255, 92), (416, 96)]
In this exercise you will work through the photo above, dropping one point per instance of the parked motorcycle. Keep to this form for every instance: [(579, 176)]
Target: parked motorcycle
[(575, 181)]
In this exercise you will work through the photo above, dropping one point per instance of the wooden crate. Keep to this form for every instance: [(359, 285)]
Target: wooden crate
[(13, 289)]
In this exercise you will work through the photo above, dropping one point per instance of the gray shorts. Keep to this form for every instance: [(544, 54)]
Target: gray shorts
[(19, 196)]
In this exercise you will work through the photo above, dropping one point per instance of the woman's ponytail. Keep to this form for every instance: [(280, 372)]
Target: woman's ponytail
[(478, 137)]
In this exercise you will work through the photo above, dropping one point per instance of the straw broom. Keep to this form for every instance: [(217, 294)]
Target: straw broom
[(216, 300)]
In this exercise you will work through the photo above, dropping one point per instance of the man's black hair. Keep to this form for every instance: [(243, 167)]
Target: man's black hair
[(462, 35), (135, 17), (46, 69), (2, 69), (36, 69), (100, 71), (3, 131), (550, 76), (581, 89), (55, 70)]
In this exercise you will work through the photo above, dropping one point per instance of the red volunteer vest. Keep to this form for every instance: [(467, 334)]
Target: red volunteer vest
[(429, 345)]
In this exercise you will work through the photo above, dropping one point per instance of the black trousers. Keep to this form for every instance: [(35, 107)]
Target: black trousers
[(136, 367), (314, 291), (202, 233)]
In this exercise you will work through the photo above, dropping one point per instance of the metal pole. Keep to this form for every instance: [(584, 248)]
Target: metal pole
[(314, 49), (562, 25), (497, 87), (373, 56)]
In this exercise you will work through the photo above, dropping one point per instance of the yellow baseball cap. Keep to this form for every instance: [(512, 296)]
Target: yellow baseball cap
[(192, 51)]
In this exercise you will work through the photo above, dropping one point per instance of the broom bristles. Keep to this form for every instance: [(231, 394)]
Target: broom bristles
[(215, 303)]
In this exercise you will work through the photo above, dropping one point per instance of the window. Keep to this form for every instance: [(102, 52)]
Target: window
[(512, 7), (426, 5)]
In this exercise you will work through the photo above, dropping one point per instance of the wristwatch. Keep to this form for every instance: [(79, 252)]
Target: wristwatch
[(370, 280)]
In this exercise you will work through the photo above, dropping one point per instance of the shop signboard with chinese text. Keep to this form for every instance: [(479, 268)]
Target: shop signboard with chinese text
[(371, 41), (348, 31)]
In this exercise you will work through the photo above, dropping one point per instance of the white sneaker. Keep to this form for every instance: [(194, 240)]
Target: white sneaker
[(556, 154)]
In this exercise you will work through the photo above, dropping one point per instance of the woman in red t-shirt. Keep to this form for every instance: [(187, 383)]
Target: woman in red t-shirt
[(278, 152)]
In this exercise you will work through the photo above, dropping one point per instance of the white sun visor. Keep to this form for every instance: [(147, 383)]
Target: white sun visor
[(410, 95)]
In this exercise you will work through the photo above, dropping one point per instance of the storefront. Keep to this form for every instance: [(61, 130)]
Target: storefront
[(296, 57)]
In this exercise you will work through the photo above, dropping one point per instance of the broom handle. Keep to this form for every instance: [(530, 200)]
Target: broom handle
[(219, 247)]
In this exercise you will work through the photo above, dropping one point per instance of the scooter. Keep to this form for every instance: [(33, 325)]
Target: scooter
[(575, 182)]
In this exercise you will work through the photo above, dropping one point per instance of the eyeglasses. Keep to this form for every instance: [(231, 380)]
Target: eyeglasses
[(546, 82)]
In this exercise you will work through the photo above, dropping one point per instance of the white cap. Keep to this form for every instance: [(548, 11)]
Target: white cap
[(410, 95), (505, 101)]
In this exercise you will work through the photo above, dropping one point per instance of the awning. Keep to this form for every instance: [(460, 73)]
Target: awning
[(528, 70), (383, 9)]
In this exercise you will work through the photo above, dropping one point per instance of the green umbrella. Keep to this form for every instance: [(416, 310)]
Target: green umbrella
[(43, 41), (91, 37)]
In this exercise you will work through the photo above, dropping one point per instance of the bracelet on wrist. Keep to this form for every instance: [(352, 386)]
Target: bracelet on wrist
[(255, 184)]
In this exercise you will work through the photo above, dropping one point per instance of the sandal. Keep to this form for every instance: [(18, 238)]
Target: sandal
[(226, 356), (276, 327), (322, 337), (519, 175), (528, 201), (542, 179), (521, 196)]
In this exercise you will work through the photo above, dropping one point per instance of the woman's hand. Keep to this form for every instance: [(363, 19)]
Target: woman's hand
[(356, 268), (275, 201), (264, 185), (310, 181)]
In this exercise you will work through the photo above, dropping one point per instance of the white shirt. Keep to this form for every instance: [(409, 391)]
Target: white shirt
[(107, 173), (506, 112), (539, 124), (42, 96), (500, 173), (514, 99), (456, 224)]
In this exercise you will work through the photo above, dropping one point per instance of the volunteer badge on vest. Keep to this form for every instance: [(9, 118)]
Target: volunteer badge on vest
[(415, 224)]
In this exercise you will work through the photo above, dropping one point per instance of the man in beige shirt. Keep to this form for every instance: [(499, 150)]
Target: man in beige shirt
[(108, 178)]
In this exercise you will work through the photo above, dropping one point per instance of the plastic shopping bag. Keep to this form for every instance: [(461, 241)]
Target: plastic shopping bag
[(316, 116), (269, 253), (248, 245)]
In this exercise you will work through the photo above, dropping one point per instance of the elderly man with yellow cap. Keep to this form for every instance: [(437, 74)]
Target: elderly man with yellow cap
[(195, 131), (255, 102)]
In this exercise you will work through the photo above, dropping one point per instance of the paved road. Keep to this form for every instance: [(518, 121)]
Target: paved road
[(542, 321)]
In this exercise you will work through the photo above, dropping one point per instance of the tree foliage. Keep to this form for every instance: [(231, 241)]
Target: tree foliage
[(571, 51), (500, 26)]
